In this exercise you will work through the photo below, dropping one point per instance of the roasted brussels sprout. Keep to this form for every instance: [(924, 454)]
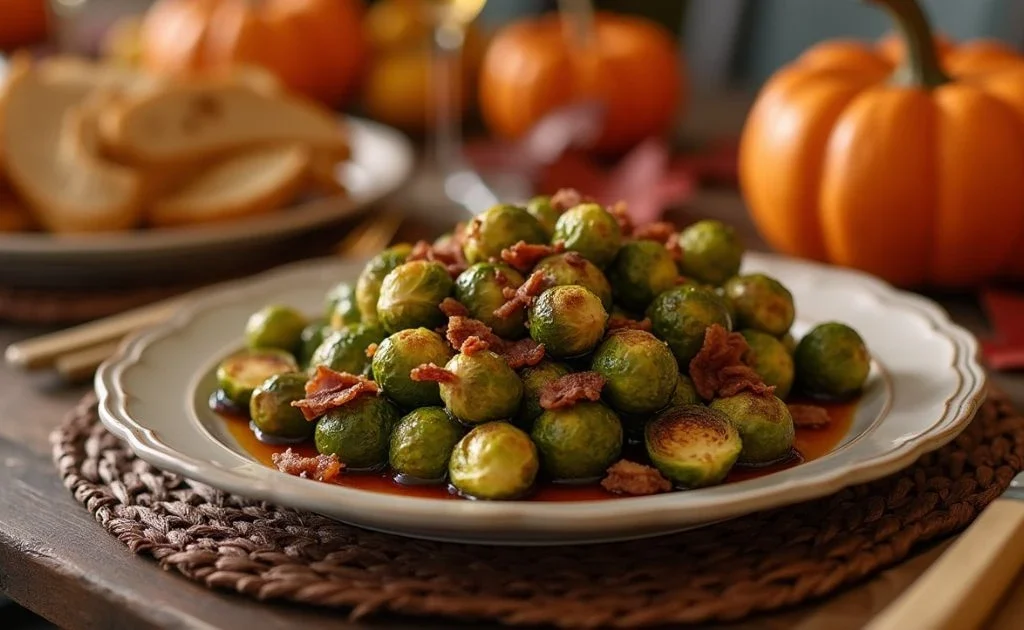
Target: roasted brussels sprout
[(685, 393), (590, 230), (789, 341), (311, 338), (577, 442), (242, 372), (494, 461), (271, 411), (761, 303), (693, 446), (568, 320), (713, 252), (546, 214), (764, 423), (275, 326), (770, 359), (410, 295), (681, 316), (639, 370), (534, 379), (368, 285), (484, 388), (341, 307), (500, 227), (640, 272), (358, 432), (422, 443), (479, 288), (345, 350), (396, 357), (561, 270), (832, 362)]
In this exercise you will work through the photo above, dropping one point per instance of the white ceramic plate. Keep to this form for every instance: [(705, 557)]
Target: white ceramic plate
[(382, 160), (924, 387)]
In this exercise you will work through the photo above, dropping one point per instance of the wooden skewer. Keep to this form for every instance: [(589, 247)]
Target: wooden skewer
[(78, 366)]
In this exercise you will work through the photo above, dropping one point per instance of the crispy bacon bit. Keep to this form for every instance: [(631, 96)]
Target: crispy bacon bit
[(571, 389), (619, 322), (565, 198), (322, 467), (626, 477), (419, 251), (809, 416), (523, 296), (472, 345), (522, 353), (329, 390), (371, 350), (674, 247), (575, 259), (719, 368), (621, 213), (516, 353), (453, 308), (461, 328), (524, 256), (431, 373), (447, 252), (660, 231)]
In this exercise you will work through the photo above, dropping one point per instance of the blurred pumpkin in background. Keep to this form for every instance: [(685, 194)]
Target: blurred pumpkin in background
[(631, 64), (22, 22), (315, 47), (909, 171)]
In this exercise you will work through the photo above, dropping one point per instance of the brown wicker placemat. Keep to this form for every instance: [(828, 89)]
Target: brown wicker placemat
[(724, 572)]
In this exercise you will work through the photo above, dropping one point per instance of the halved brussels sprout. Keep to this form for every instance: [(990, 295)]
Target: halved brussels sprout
[(368, 285), (693, 446), (275, 326), (345, 350), (713, 252), (479, 289), (832, 362), (312, 336), (242, 372), (358, 432), (590, 230), (396, 357), (341, 307), (561, 270), (271, 411), (422, 443), (410, 295), (534, 379), (639, 370), (685, 393), (682, 315), (770, 359), (764, 423), (568, 320), (544, 212), (500, 227), (484, 388), (494, 461), (640, 272), (577, 442), (761, 303)]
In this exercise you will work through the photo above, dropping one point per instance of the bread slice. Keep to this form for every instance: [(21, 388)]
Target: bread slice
[(15, 216), (203, 118), (253, 182)]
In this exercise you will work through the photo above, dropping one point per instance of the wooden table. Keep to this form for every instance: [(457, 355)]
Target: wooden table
[(57, 561)]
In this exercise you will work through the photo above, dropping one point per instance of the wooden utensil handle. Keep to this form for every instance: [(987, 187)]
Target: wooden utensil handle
[(959, 591)]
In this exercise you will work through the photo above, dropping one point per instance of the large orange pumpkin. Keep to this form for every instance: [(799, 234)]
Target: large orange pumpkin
[(315, 47), (632, 65), (22, 22), (910, 172)]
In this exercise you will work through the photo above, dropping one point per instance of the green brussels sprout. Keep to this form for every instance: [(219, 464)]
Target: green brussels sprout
[(410, 295), (562, 270), (685, 393), (534, 379), (358, 432), (479, 288), (546, 214), (275, 326), (789, 341), (692, 445), (761, 303), (832, 362), (396, 357), (729, 306), (568, 320), (640, 272), (639, 370), (494, 461), (765, 426), (712, 252), (345, 350), (577, 442), (312, 336), (341, 307), (271, 411), (370, 279), (500, 227), (770, 359), (682, 315), (242, 372), (590, 230), (422, 443), (484, 388)]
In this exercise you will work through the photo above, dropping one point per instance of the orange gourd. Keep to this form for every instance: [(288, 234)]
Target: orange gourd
[(913, 172), (631, 65), (316, 47), (22, 22)]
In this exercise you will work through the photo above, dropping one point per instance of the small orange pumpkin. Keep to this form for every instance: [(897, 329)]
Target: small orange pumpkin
[(315, 47), (912, 173), (23, 22), (633, 66)]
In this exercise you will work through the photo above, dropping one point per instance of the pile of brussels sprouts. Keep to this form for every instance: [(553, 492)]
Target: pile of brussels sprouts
[(484, 430)]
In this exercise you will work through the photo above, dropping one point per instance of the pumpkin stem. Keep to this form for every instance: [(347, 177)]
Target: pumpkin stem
[(921, 68)]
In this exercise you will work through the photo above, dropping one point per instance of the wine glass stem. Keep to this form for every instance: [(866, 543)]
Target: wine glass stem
[(447, 65)]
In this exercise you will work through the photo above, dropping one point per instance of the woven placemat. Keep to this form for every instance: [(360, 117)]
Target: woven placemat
[(724, 572)]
